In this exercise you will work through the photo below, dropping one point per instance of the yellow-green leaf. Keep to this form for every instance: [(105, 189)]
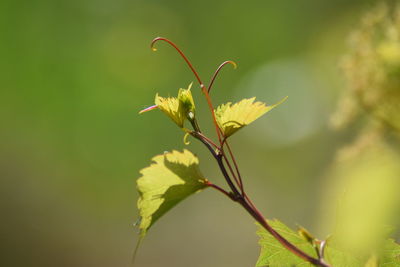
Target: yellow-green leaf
[(390, 256), (172, 108), (171, 178), (231, 118), (177, 108), (337, 256), (186, 100), (275, 254)]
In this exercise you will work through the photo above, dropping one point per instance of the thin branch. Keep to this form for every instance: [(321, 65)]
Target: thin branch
[(289, 246), (210, 106), (208, 140), (218, 158), (236, 167), (218, 70), (230, 169), (220, 190), (180, 52), (254, 212), (203, 88)]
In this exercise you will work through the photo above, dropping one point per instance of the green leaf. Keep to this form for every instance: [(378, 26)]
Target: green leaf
[(177, 108), (171, 107), (186, 99), (273, 254), (339, 257), (231, 118), (390, 256), (171, 178)]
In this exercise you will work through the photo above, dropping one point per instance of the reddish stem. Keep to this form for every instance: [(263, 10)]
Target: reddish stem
[(180, 52), (208, 140), (208, 183), (292, 248), (210, 106), (236, 167), (203, 88), (230, 169), (218, 70)]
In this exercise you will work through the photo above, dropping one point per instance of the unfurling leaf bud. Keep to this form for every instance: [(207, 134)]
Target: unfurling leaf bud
[(172, 108), (186, 100), (177, 108), (306, 235)]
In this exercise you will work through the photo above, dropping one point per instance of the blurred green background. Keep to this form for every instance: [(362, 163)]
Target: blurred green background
[(74, 75)]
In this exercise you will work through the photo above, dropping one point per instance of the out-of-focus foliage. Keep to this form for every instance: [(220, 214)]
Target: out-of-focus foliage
[(363, 192), (362, 195), (372, 68), (390, 254), (362, 199)]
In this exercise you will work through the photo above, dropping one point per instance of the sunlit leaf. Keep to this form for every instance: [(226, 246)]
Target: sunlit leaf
[(274, 254), (172, 108), (338, 257), (231, 118), (177, 108), (186, 100), (171, 178)]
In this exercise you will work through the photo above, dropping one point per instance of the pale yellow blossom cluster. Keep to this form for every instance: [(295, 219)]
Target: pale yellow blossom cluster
[(372, 69)]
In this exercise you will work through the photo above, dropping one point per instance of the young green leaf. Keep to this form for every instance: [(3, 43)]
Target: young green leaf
[(177, 108), (171, 178), (390, 256), (339, 257), (186, 100), (274, 254), (231, 118), (172, 108)]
